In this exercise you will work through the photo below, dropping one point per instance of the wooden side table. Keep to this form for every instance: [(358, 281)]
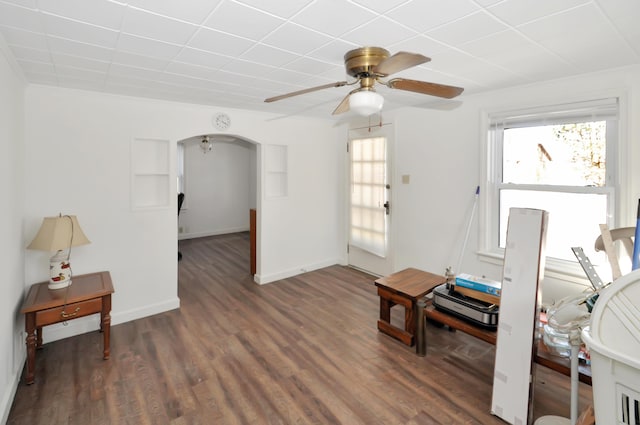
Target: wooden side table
[(88, 294), (404, 288)]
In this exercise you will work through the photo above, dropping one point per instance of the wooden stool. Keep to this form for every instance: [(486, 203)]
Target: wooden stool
[(404, 288)]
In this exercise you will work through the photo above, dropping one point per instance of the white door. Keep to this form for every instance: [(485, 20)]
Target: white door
[(369, 208)]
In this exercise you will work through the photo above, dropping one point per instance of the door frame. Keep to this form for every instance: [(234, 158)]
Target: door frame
[(356, 257)]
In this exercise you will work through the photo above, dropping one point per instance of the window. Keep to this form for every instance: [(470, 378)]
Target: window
[(560, 159), (368, 191)]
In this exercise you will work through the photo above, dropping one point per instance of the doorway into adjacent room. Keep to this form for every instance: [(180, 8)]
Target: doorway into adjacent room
[(369, 201), (218, 175)]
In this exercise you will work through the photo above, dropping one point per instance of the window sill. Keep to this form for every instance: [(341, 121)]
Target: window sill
[(557, 269)]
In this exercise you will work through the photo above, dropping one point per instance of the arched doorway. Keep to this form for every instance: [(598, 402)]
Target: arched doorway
[(219, 175)]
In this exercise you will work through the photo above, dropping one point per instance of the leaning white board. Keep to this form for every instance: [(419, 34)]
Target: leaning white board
[(519, 301)]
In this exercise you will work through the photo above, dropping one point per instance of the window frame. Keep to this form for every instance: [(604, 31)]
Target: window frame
[(491, 170)]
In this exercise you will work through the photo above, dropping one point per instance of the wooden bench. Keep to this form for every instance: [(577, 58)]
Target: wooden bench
[(542, 355)]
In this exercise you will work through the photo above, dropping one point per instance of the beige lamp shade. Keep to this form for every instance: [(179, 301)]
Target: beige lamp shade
[(59, 233)]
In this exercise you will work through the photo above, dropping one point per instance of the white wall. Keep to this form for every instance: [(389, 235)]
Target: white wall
[(78, 162), (12, 244), (441, 151), (220, 187)]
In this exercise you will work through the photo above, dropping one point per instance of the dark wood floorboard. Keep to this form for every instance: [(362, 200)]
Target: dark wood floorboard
[(303, 350)]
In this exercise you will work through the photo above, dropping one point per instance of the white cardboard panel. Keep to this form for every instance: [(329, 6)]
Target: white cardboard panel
[(519, 301)]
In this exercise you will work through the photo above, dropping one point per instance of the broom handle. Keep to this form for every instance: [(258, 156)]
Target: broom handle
[(466, 236)]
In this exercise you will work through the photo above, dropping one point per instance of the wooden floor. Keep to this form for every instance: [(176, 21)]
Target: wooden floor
[(303, 350)]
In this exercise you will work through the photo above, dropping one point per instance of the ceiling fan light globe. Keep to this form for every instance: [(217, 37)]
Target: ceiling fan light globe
[(366, 102)]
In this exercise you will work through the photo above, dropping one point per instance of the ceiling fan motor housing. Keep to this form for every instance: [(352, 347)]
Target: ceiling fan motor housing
[(360, 62)]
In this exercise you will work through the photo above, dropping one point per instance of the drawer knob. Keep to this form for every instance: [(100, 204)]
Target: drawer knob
[(66, 315)]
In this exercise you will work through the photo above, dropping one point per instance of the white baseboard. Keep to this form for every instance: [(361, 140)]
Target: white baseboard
[(263, 279), (148, 310), (10, 392), (193, 235)]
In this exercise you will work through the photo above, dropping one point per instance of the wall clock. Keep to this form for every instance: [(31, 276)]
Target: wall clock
[(221, 121)]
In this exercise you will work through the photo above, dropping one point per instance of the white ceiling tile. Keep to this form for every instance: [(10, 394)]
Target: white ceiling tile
[(239, 66), (20, 17), (623, 15), (283, 9), (471, 27), (60, 59), (333, 52), (219, 42), (597, 37), (423, 15), (37, 67), (254, 49), (336, 74), (98, 12), (149, 25), (379, 32), (269, 56), (517, 12), (333, 17), (241, 20), (189, 70), (47, 79), (510, 50), (147, 47), (127, 80), (81, 74), (34, 55), (182, 80), (139, 61), (295, 38), (202, 58), (420, 44), (130, 71), (195, 11), (311, 66), (89, 51), (73, 30), (80, 83), (487, 3), (291, 77), (31, 4), (379, 6), (18, 37)]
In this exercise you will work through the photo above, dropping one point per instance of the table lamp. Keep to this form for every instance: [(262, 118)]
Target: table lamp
[(59, 234)]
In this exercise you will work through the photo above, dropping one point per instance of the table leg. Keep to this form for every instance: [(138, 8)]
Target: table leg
[(38, 338), (105, 324), (409, 318), (30, 327), (420, 336), (385, 309)]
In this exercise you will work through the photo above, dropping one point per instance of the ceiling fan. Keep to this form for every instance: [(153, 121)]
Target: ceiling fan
[(369, 65)]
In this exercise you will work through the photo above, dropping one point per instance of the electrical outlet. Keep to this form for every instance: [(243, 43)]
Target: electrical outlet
[(180, 229)]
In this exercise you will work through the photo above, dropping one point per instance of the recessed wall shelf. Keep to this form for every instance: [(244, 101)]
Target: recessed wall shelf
[(276, 175), (150, 176)]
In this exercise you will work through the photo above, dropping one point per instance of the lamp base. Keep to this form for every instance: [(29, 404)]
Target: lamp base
[(59, 271)]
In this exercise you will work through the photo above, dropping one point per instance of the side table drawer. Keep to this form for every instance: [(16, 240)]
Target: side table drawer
[(72, 311)]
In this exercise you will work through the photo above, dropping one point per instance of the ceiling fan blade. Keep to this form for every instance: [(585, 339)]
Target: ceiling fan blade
[(399, 62), (309, 90), (423, 87), (343, 106)]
